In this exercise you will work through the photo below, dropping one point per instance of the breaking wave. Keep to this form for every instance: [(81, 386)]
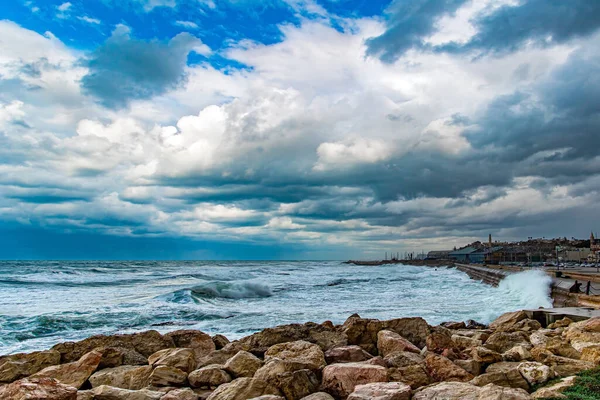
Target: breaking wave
[(532, 288), (230, 290)]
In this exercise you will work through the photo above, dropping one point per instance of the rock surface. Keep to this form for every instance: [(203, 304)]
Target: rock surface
[(124, 377), (340, 380), (308, 354), (18, 366), (243, 365), (243, 389), (182, 359), (346, 354), (389, 342), (381, 391), (38, 388), (465, 391), (75, 373), (209, 376)]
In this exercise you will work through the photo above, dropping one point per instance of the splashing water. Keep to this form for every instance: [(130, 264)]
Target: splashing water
[(44, 303)]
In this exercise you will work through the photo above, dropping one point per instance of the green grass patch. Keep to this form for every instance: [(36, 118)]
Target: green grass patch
[(586, 387)]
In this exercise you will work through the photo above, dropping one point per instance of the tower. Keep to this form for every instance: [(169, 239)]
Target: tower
[(592, 239), (490, 241)]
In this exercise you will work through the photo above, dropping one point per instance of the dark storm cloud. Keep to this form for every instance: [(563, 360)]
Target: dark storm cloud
[(125, 68), (409, 22), (506, 29), (542, 22)]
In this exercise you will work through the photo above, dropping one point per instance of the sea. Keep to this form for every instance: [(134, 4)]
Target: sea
[(43, 303)]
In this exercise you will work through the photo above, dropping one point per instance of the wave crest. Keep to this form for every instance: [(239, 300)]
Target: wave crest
[(231, 290)]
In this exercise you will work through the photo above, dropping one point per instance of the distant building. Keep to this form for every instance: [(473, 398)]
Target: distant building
[(438, 255), (577, 255), (462, 255), (489, 255)]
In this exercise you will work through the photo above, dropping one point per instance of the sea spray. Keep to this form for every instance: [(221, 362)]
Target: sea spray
[(532, 288)]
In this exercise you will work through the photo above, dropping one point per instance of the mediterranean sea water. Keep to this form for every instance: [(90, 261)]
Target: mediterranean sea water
[(46, 302)]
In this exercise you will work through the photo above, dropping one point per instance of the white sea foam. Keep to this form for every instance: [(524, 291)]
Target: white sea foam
[(532, 288)]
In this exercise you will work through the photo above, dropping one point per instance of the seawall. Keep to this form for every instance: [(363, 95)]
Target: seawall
[(562, 291)]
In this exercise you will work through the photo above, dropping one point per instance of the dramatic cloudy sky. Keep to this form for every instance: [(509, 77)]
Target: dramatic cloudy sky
[(294, 128)]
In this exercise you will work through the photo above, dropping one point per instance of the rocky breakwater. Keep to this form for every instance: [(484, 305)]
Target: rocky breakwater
[(398, 359)]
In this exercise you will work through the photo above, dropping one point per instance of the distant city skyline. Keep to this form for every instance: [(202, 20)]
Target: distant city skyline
[(294, 129)]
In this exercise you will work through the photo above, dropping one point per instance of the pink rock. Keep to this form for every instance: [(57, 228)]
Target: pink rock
[(381, 391), (389, 342), (341, 379), (38, 388)]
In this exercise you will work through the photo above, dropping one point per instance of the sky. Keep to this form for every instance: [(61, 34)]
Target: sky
[(294, 129)]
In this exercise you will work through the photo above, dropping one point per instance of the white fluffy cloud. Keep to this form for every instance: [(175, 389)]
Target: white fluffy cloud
[(312, 144)]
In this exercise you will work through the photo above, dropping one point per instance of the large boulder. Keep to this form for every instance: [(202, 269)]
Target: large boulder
[(564, 366), (346, 354), (182, 359), (243, 365), (484, 355), (243, 389), (145, 343), (439, 340), (517, 353), (220, 341), (511, 378), (324, 335), (413, 375), (381, 391), (592, 325), (504, 341), (414, 329), (464, 342), (124, 377), (209, 377), (389, 342), (163, 375), (38, 388), (582, 334), (21, 365), (301, 352), (75, 373), (221, 356), (535, 373), (340, 380), (507, 321), (442, 369), (466, 391), (199, 342), (113, 393), (561, 348), (297, 384), (362, 332), (471, 366)]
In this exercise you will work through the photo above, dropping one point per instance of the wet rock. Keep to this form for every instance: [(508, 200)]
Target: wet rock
[(554, 391), (485, 356), (340, 380), (389, 342), (145, 343), (243, 365), (38, 388), (18, 366), (324, 336), (301, 352), (113, 393), (454, 325), (591, 354), (466, 391), (182, 359), (471, 324), (124, 377), (209, 376), (401, 359), (243, 389), (504, 341), (346, 354), (164, 375), (414, 375), (199, 342), (180, 394), (535, 373), (442, 369), (381, 391), (507, 321), (220, 341), (75, 373), (318, 396)]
